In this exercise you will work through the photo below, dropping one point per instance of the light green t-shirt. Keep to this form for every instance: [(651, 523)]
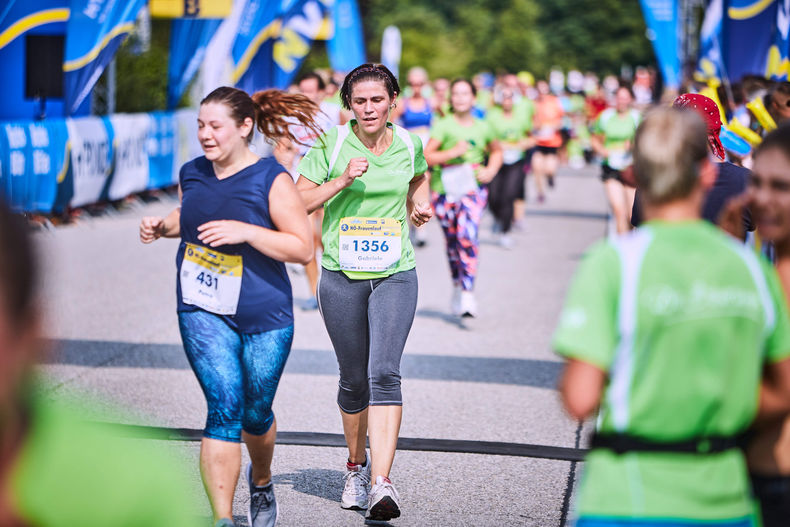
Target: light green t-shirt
[(683, 344), (71, 472), (508, 130), (525, 107), (380, 193), (617, 130), (449, 132)]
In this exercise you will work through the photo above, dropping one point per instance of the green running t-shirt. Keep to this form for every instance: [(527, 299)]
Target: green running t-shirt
[(682, 319), (449, 132), (617, 130), (380, 192), (509, 130)]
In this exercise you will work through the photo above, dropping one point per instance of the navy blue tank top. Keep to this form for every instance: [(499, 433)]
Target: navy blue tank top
[(265, 301)]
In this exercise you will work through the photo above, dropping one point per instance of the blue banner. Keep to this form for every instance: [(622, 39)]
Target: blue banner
[(346, 48), (50, 158), (95, 30), (161, 143), (747, 36), (273, 40), (188, 40), (710, 65), (778, 63), (663, 23)]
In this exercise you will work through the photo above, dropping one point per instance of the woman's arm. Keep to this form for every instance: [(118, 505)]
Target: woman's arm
[(774, 392), (418, 200), (155, 227), (315, 195), (487, 173), (434, 156), (581, 387), (292, 241)]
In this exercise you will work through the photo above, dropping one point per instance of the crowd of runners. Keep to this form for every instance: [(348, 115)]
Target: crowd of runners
[(676, 333)]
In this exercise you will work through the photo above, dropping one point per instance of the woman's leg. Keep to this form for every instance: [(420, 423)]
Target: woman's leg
[(214, 352), (264, 358), (391, 309), (447, 214), (469, 215), (344, 305), (497, 196), (615, 194), (512, 189), (539, 173)]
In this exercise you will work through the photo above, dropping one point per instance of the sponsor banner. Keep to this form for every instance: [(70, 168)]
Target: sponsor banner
[(94, 31), (188, 41), (17, 167), (188, 147), (160, 146), (747, 33), (273, 39), (130, 155), (663, 24), (49, 161), (346, 48), (91, 161), (190, 8)]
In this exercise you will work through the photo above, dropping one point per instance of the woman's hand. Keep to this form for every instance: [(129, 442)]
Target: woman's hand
[(421, 214), (485, 175), (356, 167), (460, 148), (224, 232), (151, 228)]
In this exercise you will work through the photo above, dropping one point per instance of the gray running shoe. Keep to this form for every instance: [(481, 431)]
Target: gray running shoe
[(263, 506), (355, 486), (224, 522), (383, 502)]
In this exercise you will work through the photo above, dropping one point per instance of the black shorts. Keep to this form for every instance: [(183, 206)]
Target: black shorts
[(608, 172), (773, 493), (547, 149)]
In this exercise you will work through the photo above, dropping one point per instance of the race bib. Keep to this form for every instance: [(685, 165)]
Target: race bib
[(545, 132), (511, 155), (210, 279), (369, 244), (458, 181), (619, 159)]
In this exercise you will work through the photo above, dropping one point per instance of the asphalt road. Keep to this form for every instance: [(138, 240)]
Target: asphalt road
[(110, 304)]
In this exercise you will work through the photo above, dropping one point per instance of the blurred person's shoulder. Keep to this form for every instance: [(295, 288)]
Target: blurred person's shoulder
[(72, 471)]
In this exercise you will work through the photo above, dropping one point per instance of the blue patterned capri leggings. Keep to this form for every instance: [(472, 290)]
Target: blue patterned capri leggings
[(238, 372)]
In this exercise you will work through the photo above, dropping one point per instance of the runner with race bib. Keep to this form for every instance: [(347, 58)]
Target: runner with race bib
[(240, 218), (369, 175)]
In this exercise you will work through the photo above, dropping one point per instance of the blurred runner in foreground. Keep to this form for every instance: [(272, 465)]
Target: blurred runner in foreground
[(668, 330)]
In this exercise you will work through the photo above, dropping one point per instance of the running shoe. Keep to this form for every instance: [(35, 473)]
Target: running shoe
[(355, 486), (311, 304), (506, 242), (224, 522), (468, 304), (263, 506), (383, 504)]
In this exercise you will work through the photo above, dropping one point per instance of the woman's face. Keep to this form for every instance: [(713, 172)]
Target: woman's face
[(370, 103), (461, 97), (769, 192), (219, 135), (622, 100), (507, 100)]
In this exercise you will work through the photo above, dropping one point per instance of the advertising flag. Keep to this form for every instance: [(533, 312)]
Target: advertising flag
[(710, 63), (346, 48), (663, 23), (747, 34), (94, 31), (190, 8), (273, 40), (778, 63), (189, 38)]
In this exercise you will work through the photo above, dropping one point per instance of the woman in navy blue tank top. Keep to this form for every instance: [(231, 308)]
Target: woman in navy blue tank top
[(240, 218)]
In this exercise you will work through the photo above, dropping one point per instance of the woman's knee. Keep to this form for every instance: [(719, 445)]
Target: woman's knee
[(385, 388)]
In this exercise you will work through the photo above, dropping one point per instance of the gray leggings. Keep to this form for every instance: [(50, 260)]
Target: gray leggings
[(368, 322)]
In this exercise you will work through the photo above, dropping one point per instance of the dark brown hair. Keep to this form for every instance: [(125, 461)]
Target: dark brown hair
[(367, 72), (459, 80), (272, 111)]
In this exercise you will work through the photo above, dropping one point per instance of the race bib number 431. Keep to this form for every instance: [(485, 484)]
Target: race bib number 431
[(210, 279), (369, 244)]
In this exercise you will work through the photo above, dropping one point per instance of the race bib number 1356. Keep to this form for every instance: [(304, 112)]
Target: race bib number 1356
[(210, 279), (369, 244)]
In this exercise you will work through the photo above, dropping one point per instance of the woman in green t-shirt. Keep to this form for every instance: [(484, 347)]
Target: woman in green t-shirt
[(613, 132), (457, 149), (369, 176)]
